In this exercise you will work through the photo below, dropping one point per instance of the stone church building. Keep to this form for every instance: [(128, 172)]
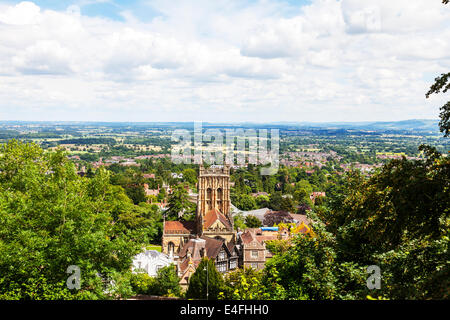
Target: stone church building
[(212, 233)]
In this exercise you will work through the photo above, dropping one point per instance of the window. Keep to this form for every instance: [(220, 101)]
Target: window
[(220, 199), (254, 265), (171, 247), (222, 255), (222, 266), (209, 198), (233, 264), (254, 254)]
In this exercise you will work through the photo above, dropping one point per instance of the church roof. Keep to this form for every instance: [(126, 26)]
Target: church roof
[(213, 215), (186, 227)]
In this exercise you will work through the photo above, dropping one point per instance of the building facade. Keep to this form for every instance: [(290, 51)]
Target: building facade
[(151, 261)]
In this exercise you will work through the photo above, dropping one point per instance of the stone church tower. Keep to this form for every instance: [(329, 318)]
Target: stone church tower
[(213, 218), (213, 203)]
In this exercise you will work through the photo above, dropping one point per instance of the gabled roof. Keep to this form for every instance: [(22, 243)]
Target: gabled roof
[(247, 237), (213, 246), (301, 218), (212, 216), (185, 227), (193, 246)]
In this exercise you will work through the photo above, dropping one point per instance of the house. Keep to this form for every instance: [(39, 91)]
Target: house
[(177, 175), (226, 257), (301, 218), (150, 192), (151, 261), (253, 251), (313, 196), (257, 194)]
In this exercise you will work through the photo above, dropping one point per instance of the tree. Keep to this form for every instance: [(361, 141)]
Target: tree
[(190, 176), (308, 270), (287, 204), (178, 203), (398, 219), (252, 222), (243, 284), (239, 222), (245, 202), (136, 193), (50, 219), (442, 83), (262, 201), (167, 281), (300, 195), (275, 201), (206, 279), (274, 218)]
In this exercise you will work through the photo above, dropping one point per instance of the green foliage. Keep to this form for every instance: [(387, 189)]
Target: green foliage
[(252, 222), (190, 176), (277, 246), (178, 203), (262, 201), (239, 222), (287, 204), (166, 283), (309, 270), (245, 202), (50, 218), (442, 83), (206, 279), (275, 201), (244, 284), (142, 283), (399, 220)]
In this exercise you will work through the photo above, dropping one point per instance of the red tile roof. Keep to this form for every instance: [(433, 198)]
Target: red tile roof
[(186, 227), (213, 215)]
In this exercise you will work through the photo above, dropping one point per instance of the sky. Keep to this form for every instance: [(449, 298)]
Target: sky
[(222, 60)]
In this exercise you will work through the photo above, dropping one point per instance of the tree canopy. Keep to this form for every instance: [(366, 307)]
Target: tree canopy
[(51, 218)]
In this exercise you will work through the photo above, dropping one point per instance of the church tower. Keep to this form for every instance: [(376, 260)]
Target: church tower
[(213, 203)]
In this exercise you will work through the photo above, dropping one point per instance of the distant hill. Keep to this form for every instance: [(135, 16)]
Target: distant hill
[(405, 125)]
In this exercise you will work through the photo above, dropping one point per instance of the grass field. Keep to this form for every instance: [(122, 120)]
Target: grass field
[(153, 247)]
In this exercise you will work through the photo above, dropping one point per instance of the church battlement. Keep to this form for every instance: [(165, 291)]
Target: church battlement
[(214, 171)]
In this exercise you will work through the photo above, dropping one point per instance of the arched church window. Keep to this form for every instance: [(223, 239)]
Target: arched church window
[(209, 198), (171, 247), (220, 199)]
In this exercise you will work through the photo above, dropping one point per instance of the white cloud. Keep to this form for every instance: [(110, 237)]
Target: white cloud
[(225, 60)]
